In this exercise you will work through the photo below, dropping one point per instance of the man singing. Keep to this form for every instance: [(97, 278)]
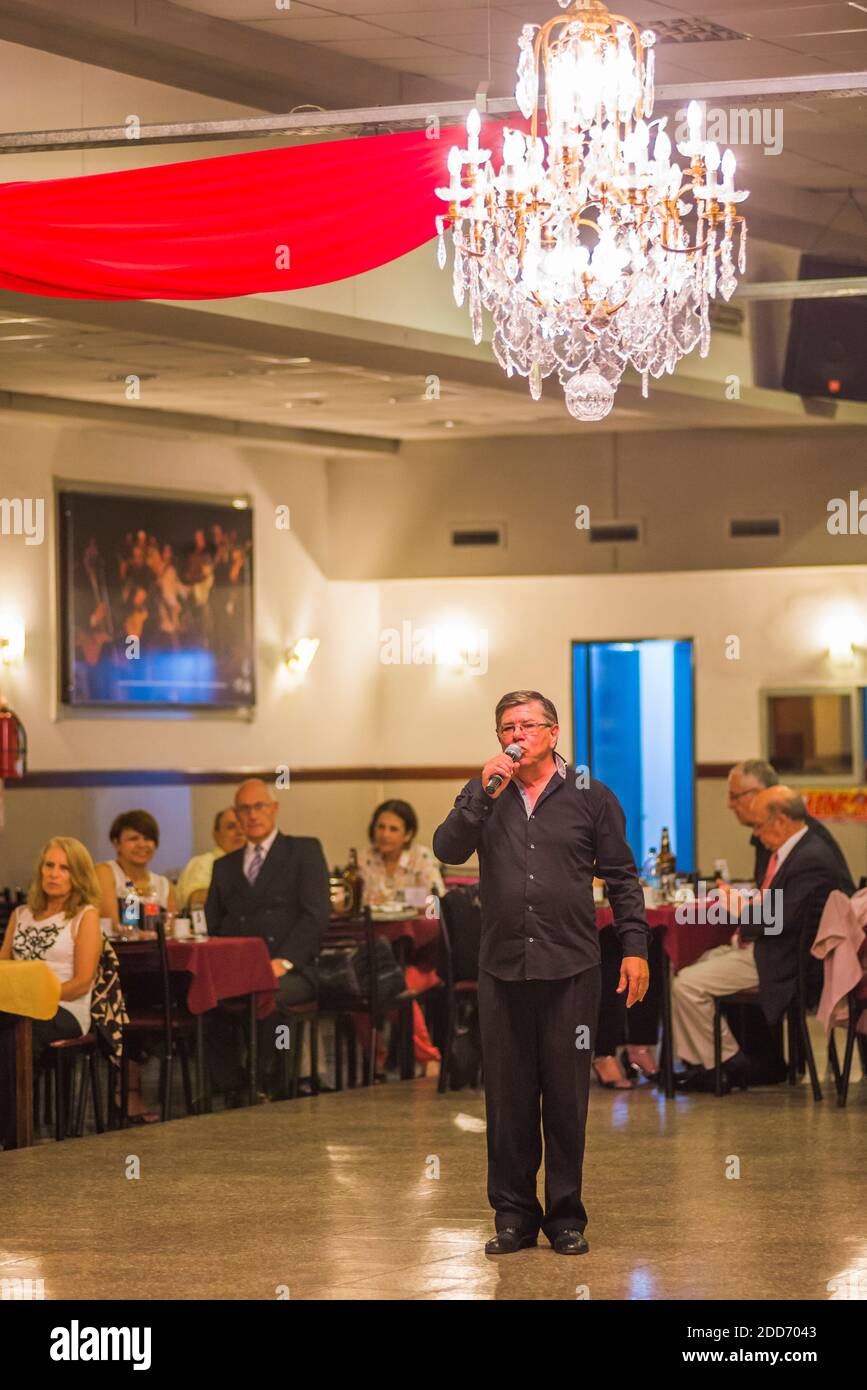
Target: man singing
[(541, 832)]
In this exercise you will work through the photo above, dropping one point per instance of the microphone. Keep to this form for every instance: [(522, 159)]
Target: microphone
[(516, 753)]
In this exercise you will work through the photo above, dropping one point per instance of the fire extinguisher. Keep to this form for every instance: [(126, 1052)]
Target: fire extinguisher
[(13, 744)]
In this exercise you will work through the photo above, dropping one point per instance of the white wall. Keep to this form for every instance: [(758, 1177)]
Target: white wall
[(354, 710), (780, 617), (306, 725)]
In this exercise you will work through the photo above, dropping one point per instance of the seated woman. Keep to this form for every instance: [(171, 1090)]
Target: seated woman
[(135, 836), (390, 864), (59, 924)]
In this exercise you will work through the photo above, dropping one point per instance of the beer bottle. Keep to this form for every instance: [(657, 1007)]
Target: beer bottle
[(354, 880)]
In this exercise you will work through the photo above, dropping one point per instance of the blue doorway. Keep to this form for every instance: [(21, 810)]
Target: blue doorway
[(633, 726)]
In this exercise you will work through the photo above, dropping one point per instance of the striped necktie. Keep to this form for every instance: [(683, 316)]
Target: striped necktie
[(255, 865)]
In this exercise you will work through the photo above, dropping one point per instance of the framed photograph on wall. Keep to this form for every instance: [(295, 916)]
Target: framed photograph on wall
[(815, 734), (156, 601)]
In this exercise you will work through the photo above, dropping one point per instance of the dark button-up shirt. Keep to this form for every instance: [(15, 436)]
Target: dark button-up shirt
[(536, 874)]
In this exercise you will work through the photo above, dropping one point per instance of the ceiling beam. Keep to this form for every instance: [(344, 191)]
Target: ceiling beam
[(846, 286), (321, 441), (841, 84)]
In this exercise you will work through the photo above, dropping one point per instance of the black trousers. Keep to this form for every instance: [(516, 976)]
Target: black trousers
[(529, 1035)]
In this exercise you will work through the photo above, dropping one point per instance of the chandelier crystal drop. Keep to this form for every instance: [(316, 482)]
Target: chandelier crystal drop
[(590, 247)]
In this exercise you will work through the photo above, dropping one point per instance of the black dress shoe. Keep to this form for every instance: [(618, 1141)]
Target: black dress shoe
[(738, 1070), (507, 1241), (700, 1079), (570, 1242)]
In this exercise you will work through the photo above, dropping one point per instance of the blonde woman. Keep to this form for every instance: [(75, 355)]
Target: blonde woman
[(59, 924)]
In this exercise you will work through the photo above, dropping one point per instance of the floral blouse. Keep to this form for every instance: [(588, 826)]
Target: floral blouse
[(416, 868)]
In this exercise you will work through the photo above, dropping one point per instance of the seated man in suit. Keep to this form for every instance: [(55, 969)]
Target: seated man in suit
[(801, 871), (275, 887), (745, 780)]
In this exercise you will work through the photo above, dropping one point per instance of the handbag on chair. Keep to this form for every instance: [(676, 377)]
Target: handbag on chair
[(344, 977)]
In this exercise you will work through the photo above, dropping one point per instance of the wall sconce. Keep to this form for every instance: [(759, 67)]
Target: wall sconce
[(11, 640), (843, 638), (299, 656)]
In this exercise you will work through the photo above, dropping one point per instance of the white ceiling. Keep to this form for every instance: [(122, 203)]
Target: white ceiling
[(799, 197), (81, 362)]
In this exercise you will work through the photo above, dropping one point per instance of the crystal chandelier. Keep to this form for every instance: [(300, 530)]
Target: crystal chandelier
[(590, 248)]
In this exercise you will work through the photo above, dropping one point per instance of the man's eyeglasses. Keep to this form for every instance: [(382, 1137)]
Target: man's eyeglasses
[(256, 806), (736, 796), (530, 727)]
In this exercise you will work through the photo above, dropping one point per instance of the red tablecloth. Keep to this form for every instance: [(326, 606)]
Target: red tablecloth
[(421, 930), (684, 942), (222, 967)]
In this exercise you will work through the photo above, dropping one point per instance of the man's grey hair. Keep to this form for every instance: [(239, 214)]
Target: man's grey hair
[(525, 697), (786, 804), (759, 770)]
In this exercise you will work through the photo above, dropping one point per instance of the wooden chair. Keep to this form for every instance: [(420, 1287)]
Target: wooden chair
[(799, 1048), (155, 1014), (70, 1063), (857, 1001), (456, 989), (352, 933)]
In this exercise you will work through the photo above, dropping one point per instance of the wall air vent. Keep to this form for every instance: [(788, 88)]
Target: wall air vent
[(478, 534), (614, 532), (755, 528)]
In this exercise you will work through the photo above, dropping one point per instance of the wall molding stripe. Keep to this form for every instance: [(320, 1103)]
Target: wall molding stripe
[(201, 777)]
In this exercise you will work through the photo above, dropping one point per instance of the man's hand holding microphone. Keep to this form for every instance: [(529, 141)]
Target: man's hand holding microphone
[(498, 773)]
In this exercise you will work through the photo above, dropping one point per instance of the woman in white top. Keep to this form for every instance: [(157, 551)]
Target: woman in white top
[(59, 924), (135, 836), (391, 863)]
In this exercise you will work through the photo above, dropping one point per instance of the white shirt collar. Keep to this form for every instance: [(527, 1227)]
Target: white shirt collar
[(788, 845), (559, 763), (250, 849)]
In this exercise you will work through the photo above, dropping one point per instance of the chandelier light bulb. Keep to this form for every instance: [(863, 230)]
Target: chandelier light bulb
[(588, 247)]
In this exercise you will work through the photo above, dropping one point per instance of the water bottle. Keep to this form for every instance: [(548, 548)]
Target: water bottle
[(648, 869), (130, 913)]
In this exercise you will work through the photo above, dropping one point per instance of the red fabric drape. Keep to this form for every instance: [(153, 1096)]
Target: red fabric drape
[(213, 228)]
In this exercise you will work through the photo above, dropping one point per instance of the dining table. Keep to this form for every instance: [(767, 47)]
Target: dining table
[(219, 968), (29, 989), (412, 930)]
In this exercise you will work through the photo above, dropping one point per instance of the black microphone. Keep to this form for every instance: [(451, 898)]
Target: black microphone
[(516, 753)]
